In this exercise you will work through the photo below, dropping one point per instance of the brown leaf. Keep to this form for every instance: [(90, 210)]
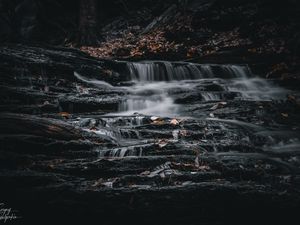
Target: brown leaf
[(174, 122), (218, 105), (158, 122), (162, 143), (93, 129), (65, 115), (292, 98)]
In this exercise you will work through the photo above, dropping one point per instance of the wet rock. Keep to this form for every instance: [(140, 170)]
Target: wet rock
[(33, 125), (77, 158), (188, 98), (213, 87), (59, 61), (35, 135), (88, 104)]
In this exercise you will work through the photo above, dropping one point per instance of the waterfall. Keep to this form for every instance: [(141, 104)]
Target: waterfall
[(162, 88), (168, 71)]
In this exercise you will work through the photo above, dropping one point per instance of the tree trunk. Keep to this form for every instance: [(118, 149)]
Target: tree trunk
[(88, 34)]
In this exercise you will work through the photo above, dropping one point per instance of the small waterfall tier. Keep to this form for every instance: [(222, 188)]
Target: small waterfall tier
[(164, 88), (169, 71)]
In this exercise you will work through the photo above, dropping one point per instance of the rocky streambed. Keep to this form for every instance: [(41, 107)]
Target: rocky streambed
[(145, 142)]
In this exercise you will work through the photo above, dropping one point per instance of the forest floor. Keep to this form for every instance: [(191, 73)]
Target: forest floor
[(210, 32)]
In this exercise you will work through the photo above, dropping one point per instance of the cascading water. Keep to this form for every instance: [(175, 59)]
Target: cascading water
[(158, 86), (149, 71), (185, 91), (158, 83)]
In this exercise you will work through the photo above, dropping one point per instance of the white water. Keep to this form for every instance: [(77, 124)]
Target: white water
[(98, 83), (169, 71), (156, 86), (157, 83), (256, 89)]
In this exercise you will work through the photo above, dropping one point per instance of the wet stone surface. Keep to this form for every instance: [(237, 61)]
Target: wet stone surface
[(215, 139)]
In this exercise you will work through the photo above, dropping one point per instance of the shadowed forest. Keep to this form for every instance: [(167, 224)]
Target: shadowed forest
[(149, 112)]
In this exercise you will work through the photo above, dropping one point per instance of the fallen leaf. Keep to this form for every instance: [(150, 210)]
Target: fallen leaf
[(174, 122), (65, 115), (158, 122), (93, 129), (162, 143), (218, 105), (291, 98), (204, 167)]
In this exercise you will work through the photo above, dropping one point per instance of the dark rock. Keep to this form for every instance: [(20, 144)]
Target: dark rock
[(75, 104)]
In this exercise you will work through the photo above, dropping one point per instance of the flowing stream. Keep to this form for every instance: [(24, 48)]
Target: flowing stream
[(215, 108), (158, 84)]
